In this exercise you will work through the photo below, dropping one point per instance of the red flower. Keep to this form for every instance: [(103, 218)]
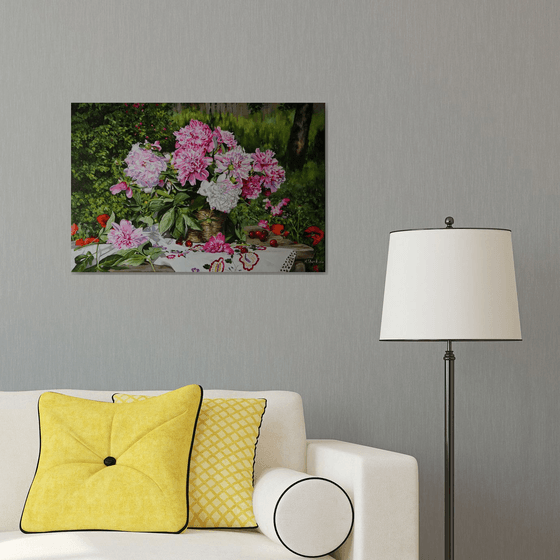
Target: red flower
[(90, 240), (80, 242), (315, 268), (276, 229), (74, 229), (103, 219), (315, 233)]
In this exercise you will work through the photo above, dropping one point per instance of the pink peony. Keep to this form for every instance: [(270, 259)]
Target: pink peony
[(125, 235), (191, 164), (252, 187), (263, 159), (217, 244), (274, 177), (265, 163), (122, 186), (276, 210), (225, 137), (196, 134), (144, 167), (154, 146), (236, 164)]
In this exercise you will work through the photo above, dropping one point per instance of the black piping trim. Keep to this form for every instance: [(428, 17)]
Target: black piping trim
[(113, 530), (451, 228), (452, 340), (291, 486), (221, 528), (257, 440), (36, 468), (190, 455)]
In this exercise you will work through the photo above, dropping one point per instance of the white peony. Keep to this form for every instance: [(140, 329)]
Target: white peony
[(222, 195)]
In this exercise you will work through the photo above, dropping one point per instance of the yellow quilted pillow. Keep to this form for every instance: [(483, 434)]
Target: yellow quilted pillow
[(222, 463), (121, 468)]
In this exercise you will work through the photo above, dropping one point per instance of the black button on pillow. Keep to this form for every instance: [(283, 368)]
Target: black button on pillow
[(110, 461)]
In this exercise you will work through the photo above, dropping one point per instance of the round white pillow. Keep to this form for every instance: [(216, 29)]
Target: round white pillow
[(310, 516)]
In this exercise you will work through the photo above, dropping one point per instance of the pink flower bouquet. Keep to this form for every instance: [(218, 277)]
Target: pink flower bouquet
[(208, 169)]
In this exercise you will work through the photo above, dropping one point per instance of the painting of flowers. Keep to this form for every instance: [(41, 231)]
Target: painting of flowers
[(198, 187)]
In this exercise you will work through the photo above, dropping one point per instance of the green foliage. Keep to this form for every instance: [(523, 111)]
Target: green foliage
[(120, 260), (102, 136)]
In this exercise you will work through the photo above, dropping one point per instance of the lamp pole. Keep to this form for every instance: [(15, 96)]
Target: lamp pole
[(449, 359)]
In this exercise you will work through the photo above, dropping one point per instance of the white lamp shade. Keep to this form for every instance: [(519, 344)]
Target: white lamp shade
[(450, 284)]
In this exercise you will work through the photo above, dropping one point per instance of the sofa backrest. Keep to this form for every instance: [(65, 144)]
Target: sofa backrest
[(282, 439)]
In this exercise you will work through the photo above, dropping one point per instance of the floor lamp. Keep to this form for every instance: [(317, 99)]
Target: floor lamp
[(450, 284)]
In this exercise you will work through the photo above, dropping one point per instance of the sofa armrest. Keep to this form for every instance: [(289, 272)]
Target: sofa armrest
[(383, 487)]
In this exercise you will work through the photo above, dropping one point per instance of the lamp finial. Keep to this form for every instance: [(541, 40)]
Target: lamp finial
[(449, 221)]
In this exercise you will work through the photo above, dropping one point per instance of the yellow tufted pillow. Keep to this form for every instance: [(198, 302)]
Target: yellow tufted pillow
[(222, 463), (121, 468)]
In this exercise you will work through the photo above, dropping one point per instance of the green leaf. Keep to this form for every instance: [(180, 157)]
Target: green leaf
[(140, 248), (164, 194), (180, 199), (158, 204), (83, 262), (167, 221), (148, 220), (180, 228), (198, 203), (79, 267), (154, 253), (123, 254), (135, 260), (191, 223), (109, 224)]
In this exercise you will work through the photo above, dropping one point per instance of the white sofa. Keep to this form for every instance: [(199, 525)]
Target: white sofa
[(382, 486)]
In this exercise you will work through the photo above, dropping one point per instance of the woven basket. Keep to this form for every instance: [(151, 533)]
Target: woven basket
[(211, 222)]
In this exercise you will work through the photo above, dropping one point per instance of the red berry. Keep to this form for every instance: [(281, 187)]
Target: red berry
[(179, 241), (188, 243), (243, 249), (263, 234), (252, 234), (286, 233), (273, 243)]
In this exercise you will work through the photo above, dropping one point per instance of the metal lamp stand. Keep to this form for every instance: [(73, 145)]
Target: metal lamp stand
[(422, 264), (449, 359)]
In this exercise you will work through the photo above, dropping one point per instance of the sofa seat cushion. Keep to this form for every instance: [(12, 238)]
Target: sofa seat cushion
[(194, 544)]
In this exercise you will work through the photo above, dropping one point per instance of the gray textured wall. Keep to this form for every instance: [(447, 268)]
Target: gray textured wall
[(435, 108)]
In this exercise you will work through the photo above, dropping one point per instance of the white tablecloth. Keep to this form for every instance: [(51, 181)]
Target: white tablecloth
[(246, 258)]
